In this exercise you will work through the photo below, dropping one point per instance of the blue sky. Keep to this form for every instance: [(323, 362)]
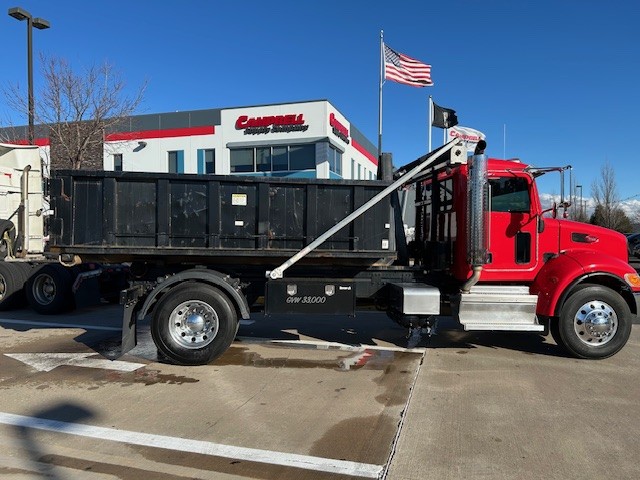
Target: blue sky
[(561, 75)]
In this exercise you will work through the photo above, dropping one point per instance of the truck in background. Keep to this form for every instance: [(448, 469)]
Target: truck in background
[(202, 248), (26, 273)]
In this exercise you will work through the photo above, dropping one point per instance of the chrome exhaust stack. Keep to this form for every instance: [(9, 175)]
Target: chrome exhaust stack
[(477, 218)]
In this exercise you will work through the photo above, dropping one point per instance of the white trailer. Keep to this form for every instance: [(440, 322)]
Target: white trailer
[(26, 274)]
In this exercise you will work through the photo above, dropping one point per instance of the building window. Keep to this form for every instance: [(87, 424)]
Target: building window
[(280, 159), (209, 161), (302, 157), (242, 160), (176, 161), (206, 161), (335, 160), (353, 169), (359, 171), (173, 162), (263, 159), (273, 159), (117, 162)]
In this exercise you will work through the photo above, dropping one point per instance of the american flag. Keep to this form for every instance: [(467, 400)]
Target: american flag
[(403, 69)]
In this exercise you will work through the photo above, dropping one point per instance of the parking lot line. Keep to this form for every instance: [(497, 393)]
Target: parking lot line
[(322, 344), (305, 462)]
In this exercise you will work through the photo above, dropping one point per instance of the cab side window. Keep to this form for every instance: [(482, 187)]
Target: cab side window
[(510, 195)]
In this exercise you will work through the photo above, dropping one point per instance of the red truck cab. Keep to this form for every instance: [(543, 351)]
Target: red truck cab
[(574, 275)]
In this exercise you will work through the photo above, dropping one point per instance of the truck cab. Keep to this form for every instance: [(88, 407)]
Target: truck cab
[(531, 270)]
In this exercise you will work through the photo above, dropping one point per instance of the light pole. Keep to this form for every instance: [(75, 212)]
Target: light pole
[(40, 23)]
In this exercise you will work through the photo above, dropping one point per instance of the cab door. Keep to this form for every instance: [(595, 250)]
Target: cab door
[(513, 230)]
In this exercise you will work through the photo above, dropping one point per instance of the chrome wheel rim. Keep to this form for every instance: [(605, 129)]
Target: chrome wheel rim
[(193, 324), (595, 323)]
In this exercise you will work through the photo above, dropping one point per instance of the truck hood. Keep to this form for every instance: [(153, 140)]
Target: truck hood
[(576, 236)]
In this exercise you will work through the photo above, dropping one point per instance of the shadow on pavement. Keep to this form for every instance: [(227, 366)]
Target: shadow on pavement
[(531, 343), (64, 412)]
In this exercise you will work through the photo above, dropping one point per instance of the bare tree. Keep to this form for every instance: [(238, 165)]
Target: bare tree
[(578, 212), (77, 108), (608, 209), (634, 217)]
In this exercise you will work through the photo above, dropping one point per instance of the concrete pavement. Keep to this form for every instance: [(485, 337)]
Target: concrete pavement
[(479, 406), (512, 406)]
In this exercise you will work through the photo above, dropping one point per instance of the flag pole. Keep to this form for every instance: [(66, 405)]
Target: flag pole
[(380, 96), (430, 120)]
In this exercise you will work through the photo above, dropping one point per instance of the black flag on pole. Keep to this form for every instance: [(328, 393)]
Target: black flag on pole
[(444, 117)]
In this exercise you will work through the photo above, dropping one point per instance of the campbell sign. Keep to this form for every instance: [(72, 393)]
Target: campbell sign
[(339, 130), (271, 124)]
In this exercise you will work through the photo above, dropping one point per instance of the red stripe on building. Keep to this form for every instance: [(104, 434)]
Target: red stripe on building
[(365, 152), (41, 142), (168, 133)]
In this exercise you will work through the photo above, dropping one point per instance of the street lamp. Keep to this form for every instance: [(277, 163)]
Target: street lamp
[(41, 24)]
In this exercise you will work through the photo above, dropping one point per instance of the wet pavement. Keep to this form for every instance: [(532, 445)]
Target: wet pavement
[(315, 409), (323, 398)]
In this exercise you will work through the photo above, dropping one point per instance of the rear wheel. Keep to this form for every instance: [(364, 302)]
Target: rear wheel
[(12, 279), (595, 322), (194, 324), (49, 290)]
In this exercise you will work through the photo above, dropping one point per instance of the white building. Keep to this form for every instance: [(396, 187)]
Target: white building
[(304, 139)]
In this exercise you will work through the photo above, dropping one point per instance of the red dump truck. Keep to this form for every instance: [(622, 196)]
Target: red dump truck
[(202, 249)]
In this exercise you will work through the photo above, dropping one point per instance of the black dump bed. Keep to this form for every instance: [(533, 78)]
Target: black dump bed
[(178, 218)]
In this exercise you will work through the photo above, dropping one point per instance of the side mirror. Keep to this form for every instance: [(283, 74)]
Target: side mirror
[(553, 210)]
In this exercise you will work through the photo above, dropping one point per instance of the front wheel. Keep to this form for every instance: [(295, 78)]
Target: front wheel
[(194, 324), (595, 322)]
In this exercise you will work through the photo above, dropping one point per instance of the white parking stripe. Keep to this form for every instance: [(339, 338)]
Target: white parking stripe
[(321, 344), (45, 362), (305, 462)]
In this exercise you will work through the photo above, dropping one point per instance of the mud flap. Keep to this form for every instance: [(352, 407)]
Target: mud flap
[(129, 300)]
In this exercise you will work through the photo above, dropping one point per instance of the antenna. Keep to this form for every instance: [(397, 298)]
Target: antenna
[(504, 140)]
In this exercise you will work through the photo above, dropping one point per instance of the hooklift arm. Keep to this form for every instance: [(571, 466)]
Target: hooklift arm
[(429, 159)]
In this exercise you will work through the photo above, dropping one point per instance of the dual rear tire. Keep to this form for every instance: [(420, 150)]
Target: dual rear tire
[(49, 291), (47, 288), (12, 281)]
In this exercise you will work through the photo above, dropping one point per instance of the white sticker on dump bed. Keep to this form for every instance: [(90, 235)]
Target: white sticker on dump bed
[(239, 223), (385, 244), (239, 199)]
